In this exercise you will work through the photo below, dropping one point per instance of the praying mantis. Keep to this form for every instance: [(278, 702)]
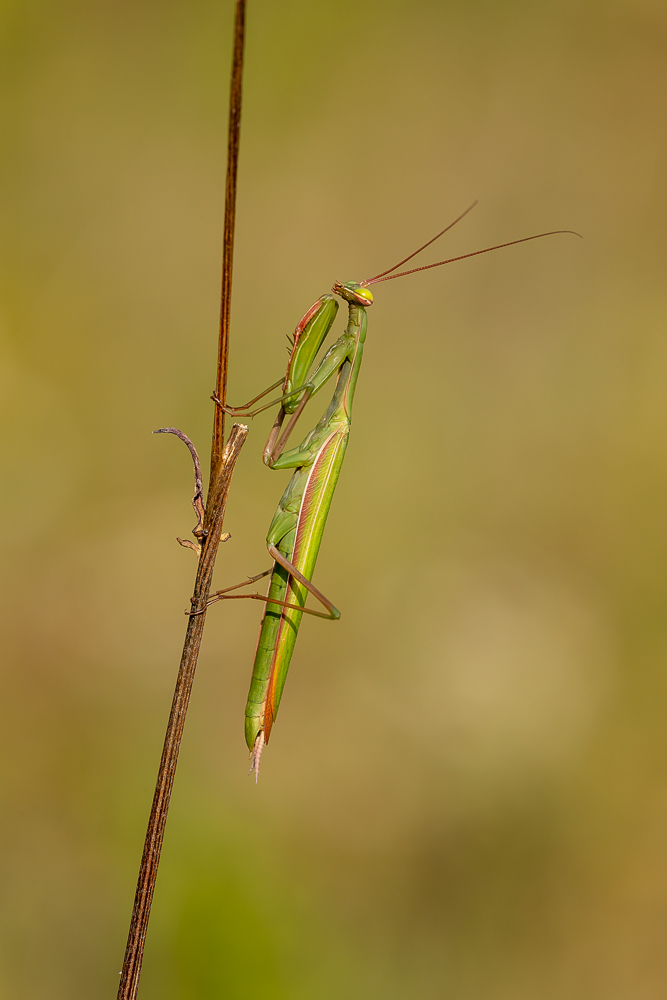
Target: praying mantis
[(296, 531)]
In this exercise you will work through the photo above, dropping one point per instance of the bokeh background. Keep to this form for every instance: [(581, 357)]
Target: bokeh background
[(465, 794)]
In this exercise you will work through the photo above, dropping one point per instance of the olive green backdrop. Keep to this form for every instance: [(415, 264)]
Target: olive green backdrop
[(465, 793)]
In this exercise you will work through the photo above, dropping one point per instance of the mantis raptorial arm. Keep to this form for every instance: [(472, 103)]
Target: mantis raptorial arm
[(330, 365)]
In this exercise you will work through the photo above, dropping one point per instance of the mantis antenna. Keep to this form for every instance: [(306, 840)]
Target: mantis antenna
[(426, 267), (406, 259)]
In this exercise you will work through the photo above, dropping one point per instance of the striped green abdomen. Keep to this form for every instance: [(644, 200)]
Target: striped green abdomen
[(300, 545)]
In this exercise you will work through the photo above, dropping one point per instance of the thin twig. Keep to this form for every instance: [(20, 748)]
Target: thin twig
[(223, 462), (198, 498)]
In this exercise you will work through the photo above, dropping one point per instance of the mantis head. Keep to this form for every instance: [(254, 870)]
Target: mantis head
[(353, 291)]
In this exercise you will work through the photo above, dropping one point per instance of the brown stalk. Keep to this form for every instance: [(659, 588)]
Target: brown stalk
[(235, 96), (223, 462)]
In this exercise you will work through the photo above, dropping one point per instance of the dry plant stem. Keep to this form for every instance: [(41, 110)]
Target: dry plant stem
[(223, 461), (228, 234), (215, 511)]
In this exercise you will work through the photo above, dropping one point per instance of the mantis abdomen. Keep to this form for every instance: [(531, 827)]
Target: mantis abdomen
[(296, 531)]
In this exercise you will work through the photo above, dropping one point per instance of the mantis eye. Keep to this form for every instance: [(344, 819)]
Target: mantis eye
[(364, 296)]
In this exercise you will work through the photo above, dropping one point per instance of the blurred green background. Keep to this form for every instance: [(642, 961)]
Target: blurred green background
[(465, 794)]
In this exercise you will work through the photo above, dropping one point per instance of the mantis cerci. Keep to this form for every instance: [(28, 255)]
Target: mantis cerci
[(295, 533)]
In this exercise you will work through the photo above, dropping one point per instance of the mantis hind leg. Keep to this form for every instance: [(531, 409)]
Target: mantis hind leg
[(224, 595), (334, 613)]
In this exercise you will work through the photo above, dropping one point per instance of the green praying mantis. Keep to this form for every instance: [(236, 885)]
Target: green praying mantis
[(296, 531)]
